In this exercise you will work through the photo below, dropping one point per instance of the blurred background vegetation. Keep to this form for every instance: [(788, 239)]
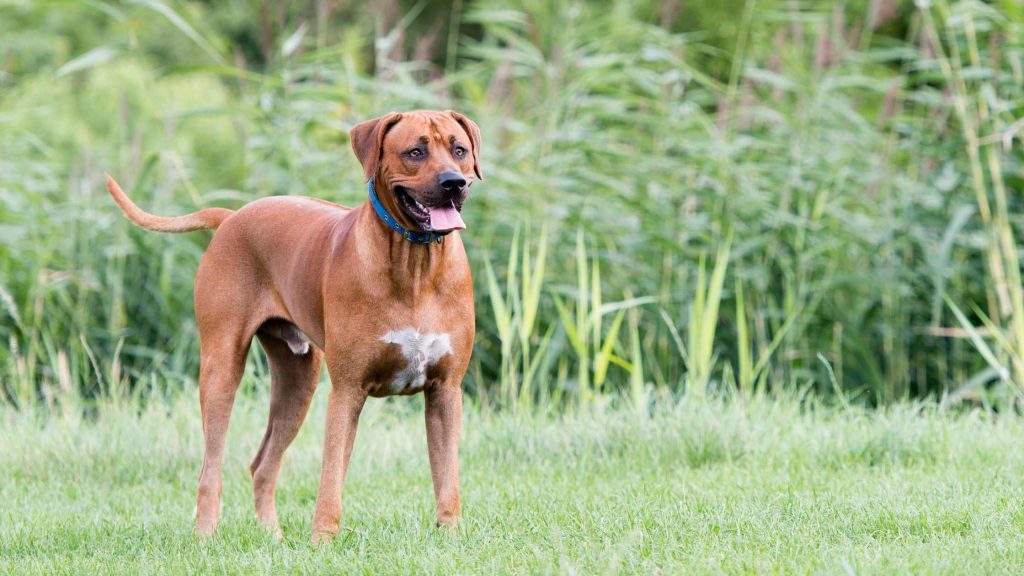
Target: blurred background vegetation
[(681, 196)]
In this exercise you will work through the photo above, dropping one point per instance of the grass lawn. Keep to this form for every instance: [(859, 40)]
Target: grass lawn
[(713, 487)]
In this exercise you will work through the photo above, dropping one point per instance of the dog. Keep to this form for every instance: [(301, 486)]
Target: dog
[(382, 292)]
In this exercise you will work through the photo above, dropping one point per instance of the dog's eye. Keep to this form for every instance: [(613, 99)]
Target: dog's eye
[(460, 152), (414, 153)]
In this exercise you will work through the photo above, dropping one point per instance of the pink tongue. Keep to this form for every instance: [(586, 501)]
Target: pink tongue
[(447, 218)]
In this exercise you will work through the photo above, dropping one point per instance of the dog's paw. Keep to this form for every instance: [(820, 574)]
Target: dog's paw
[(448, 525), (323, 537)]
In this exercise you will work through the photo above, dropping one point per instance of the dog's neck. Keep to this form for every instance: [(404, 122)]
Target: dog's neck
[(410, 266)]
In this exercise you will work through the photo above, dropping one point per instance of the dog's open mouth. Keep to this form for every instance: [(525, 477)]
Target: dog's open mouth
[(434, 219)]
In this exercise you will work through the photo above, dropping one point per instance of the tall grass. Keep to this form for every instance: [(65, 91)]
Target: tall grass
[(524, 350), (980, 107), (787, 202)]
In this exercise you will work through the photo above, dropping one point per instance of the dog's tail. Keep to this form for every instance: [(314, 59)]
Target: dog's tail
[(207, 219)]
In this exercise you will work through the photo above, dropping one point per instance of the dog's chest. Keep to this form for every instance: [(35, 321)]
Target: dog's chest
[(411, 358)]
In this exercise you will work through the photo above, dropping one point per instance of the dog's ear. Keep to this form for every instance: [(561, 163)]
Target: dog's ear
[(474, 136), (368, 140)]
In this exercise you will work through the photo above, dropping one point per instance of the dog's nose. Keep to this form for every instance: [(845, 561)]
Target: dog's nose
[(451, 182)]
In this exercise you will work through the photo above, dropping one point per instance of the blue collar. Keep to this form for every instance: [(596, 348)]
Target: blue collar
[(410, 235)]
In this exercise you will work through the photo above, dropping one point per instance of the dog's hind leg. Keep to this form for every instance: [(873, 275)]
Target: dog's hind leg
[(293, 379), (222, 361)]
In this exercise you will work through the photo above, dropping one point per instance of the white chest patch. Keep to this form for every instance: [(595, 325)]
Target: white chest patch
[(420, 351)]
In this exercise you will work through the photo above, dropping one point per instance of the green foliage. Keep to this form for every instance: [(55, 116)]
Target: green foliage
[(515, 320), (865, 163)]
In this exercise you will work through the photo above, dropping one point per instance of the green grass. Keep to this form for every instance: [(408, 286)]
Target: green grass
[(715, 486)]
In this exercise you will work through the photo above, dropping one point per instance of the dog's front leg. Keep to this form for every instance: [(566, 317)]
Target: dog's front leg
[(343, 408), (444, 425)]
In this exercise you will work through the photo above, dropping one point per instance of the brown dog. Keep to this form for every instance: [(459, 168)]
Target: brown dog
[(382, 292)]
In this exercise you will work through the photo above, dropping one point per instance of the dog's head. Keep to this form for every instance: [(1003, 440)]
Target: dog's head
[(421, 162)]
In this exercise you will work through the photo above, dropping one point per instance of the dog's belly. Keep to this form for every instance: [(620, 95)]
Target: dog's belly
[(411, 360)]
